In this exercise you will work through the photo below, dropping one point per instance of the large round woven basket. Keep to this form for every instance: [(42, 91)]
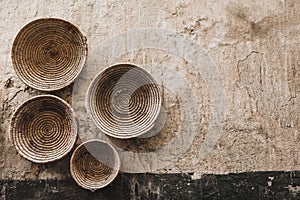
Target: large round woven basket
[(49, 53), (124, 101), (44, 129), (94, 164)]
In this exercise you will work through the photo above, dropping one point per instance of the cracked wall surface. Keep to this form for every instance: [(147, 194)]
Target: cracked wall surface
[(254, 46)]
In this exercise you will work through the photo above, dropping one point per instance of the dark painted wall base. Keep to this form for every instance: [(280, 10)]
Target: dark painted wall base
[(252, 185)]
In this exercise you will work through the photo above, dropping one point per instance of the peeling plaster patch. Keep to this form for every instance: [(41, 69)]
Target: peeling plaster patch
[(270, 181), (295, 190), (251, 73), (261, 84), (196, 176), (179, 9), (8, 83)]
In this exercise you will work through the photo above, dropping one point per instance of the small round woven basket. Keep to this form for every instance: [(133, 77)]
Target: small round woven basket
[(94, 164), (44, 129), (124, 101), (49, 53)]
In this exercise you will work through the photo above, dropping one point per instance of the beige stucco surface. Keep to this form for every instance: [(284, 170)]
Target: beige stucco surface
[(255, 48)]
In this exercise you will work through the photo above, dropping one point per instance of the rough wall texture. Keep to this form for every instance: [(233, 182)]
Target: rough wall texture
[(253, 44), (266, 185)]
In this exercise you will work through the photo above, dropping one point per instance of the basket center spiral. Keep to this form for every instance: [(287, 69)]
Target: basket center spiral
[(121, 101), (51, 52), (124, 101)]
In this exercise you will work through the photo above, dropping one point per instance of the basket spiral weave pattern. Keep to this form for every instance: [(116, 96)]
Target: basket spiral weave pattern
[(124, 101), (94, 164), (49, 53), (44, 128)]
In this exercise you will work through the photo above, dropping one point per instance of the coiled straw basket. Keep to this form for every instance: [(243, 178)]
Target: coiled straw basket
[(124, 101), (44, 129), (94, 164), (49, 53)]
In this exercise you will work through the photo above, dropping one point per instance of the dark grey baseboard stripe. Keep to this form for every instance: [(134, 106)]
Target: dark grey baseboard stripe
[(250, 185)]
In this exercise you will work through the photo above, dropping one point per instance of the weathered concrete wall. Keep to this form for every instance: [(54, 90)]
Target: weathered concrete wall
[(253, 44)]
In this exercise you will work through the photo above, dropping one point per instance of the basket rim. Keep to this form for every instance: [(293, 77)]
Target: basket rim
[(116, 168), (66, 83), (75, 124), (97, 78)]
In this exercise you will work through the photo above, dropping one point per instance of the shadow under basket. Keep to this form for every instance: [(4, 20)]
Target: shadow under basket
[(124, 101), (49, 53), (94, 164), (44, 129)]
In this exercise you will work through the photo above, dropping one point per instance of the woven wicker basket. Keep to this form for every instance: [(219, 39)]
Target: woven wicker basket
[(124, 101), (48, 54), (44, 129), (94, 164)]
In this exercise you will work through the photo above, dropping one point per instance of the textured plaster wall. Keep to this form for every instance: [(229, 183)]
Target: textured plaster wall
[(253, 44)]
